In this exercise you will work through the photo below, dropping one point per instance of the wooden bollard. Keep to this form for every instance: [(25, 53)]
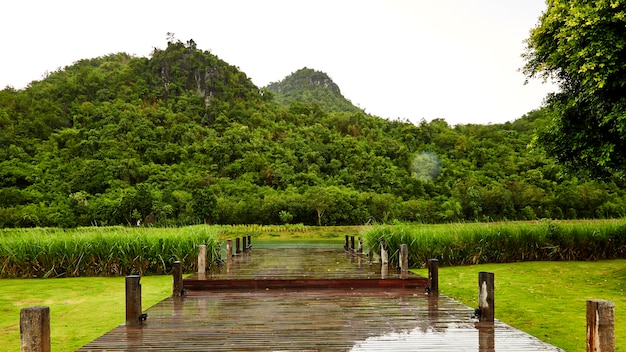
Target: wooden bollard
[(384, 255), (177, 278), (404, 258), (360, 246), (249, 242), (229, 248), (486, 302), (352, 243), (35, 329), (202, 259), (600, 326), (133, 300), (433, 276), (237, 245), (244, 240), (347, 245)]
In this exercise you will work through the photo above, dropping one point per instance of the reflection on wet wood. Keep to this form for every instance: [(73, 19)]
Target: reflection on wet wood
[(325, 320), (379, 316)]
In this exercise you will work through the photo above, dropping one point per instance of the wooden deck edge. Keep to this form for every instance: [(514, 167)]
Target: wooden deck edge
[(200, 285)]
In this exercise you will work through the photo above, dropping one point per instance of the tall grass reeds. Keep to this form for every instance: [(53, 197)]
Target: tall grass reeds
[(102, 251), (479, 243)]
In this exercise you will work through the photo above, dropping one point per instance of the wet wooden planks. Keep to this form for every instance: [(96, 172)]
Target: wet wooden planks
[(248, 304), (314, 320), (301, 268)]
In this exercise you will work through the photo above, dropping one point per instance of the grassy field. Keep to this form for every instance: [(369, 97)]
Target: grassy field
[(545, 299), (81, 309)]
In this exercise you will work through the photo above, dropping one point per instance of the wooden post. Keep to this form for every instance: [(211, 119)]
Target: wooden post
[(35, 329), (229, 248), (600, 326), (133, 300), (237, 245), (404, 259), (384, 255), (433, 276), (201, 259), (384, 271), (486, 303), (360, 246), (249, 242), (346, 246), (177, 276), (244, 241), (352, 243)]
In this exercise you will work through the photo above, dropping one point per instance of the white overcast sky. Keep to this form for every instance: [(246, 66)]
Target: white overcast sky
[(451, 59)]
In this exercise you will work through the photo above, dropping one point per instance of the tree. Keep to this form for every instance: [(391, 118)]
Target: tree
[(581, 45), (204, 202)]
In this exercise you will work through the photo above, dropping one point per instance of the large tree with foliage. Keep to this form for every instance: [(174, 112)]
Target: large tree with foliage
[(581, 45)]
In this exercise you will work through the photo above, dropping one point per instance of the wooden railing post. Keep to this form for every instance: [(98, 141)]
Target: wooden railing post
[(352, 243), (404, 259), (486, 302), (133, 300), (384, 255), (244, 240), (249, 242), (433, 276), (229, 248), (177, 276), (237, 245), (600, 326), (360, 246), (201, 259), (347, 245), (35, 329)]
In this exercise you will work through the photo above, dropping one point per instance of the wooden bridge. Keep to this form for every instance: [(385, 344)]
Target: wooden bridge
[(311, 299)]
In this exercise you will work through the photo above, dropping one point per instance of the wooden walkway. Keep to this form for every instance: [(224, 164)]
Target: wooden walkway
[(307, 317)]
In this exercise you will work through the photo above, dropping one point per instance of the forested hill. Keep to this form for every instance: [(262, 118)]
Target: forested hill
[(183, 137), (312, 87)]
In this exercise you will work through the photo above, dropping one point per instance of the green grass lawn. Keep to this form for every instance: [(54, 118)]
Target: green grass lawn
[(545, 299), (81, 309)]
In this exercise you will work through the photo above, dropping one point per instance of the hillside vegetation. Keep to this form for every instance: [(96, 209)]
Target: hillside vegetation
[(183, 137)]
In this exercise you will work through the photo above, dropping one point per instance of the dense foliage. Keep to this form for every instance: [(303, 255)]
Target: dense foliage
[(581, 45), (184, 138), (503, 242)]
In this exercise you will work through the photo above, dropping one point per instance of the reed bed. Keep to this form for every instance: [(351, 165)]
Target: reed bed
[(480, 243), (102, 251)]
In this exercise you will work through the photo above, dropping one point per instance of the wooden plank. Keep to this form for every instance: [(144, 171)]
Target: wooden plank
[(191, 285)]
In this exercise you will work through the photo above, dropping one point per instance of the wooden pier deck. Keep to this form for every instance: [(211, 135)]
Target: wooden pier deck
[(310, 316), (315, 267)]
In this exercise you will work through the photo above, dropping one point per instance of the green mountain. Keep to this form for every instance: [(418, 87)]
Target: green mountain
[(311, 87), (183, 137)]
